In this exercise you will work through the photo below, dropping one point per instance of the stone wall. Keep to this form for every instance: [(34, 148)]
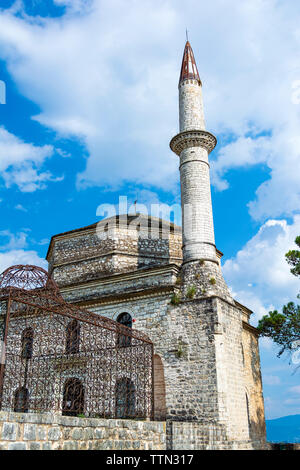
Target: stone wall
[(22, 431)]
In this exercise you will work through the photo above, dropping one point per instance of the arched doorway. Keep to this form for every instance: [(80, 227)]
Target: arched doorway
[(73, 398), (159, 389)]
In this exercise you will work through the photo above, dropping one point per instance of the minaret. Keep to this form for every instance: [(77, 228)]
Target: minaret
[(193, 145)]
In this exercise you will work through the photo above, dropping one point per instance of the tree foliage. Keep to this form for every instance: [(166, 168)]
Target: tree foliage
[(284, 328)]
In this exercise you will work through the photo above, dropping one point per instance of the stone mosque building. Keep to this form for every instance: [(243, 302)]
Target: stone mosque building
[(168, 281)]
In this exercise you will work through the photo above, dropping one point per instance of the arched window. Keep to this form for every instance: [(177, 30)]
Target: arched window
[(73, 337), (73, 398), (125, 399), (27, 343), (21, 400), (124, 340)]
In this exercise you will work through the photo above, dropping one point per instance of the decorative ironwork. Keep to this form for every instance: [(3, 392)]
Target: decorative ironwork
[(62, 358)]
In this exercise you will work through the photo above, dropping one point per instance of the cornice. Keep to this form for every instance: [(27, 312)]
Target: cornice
[(125, 297), (123, 277)]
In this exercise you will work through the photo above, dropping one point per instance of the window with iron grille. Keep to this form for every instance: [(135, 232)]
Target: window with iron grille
[(124, 340)]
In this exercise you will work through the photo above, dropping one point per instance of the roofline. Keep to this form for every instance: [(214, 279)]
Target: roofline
[(243, 307), (94, 225)]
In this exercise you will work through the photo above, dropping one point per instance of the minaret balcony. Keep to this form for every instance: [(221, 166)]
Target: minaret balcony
[(195, 138)]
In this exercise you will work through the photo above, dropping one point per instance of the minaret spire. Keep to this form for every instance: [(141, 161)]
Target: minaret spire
[(192, 145), (189, 67)]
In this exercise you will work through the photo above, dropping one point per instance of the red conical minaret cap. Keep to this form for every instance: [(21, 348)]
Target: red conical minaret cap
[(189, 68)]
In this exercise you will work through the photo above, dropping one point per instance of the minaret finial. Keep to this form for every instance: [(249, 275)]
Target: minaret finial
[(187, 35)]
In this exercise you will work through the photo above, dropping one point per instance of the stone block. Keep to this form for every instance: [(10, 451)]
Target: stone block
[(34, 446), (17, 446), (54, 433), (29, 432), (9, 431)]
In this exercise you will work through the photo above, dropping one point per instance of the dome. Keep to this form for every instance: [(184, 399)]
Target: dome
[(27, 277)]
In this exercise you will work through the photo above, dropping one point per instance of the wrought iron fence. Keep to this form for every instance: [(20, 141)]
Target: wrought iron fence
[(60, 358)]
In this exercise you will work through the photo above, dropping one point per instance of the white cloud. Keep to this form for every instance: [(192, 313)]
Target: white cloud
[(292, 401), (11, 241), (261, 263), (20, 163), (15, 257), (13, 250), (295, 389), (21, 208)]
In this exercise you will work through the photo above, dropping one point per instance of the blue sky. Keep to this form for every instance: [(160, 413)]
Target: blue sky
[(91, 106)]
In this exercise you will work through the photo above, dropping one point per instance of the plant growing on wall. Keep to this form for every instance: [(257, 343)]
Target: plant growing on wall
[(176, 299), (191, 291), (179, 352)]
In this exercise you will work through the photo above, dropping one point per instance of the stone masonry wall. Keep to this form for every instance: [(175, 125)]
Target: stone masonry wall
[(191, 113), (198, 230), (22, 431)]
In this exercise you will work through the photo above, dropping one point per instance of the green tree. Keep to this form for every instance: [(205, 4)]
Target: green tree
[(284, 328)]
